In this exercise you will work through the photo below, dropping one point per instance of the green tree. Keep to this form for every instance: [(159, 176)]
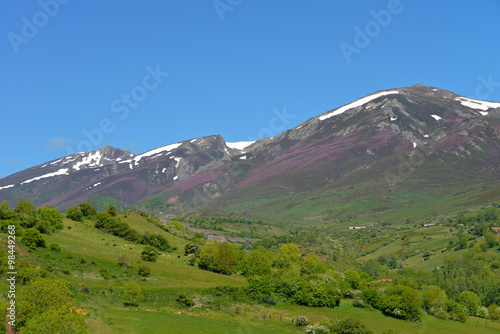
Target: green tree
[(352, 277), (25, 208), (288, 254), (207, 255), (88, 211), (463, 241), (149, 253), (225, 259), (133, 292), (43, 295), (32, 238), (74, 213), (112, 210), (471, 301), (55, 321), (52, 216), (313, 265), (372, 297), (412, 304), (491, 239), (258, 263), (191, 248)]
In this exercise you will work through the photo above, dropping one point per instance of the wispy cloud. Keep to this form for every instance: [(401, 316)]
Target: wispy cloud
[(57, 142)]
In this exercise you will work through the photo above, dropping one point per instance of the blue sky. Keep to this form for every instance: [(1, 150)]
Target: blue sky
[(79, 75)]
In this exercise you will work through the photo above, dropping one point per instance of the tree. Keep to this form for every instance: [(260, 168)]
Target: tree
[(412, 304), (288, 253), (225, 259), (463, 241), (88, 211), (32, 238), (352, 277), (56, 321), (191, 248), (372, 297), (258, 263), (41, 296), (491, 239), (313, 265), (207, 255), (25, 208), (149, 253), (470, 300), (133, 292), (74, 213), (52, 216), (112, 210)]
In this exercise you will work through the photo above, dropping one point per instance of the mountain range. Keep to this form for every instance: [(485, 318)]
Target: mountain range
[(415, 149)]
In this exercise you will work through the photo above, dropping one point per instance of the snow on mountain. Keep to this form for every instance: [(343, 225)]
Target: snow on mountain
[(357, 103), (63, 171), (240, 145), (156, 151), (436, 117), (478, 104)]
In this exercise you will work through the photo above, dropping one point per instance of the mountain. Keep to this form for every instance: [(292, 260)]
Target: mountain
[(379, 154)]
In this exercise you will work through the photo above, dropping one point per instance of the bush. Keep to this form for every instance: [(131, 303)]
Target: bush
[(55, 247), (371, 297), (149, 254), (301, 321), (32, 238), (184, 300), (494, 311), (104, 273), (144, 271), (317, 329), (348, 326), (74, 213)]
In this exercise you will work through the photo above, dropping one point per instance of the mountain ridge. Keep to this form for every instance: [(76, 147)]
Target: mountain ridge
[(385, 126)]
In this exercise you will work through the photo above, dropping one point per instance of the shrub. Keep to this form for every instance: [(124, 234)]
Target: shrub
[(149, 254), (348, 326), (371, 297), (317, 329), (133, 292), (494, 311), (104, 273), (144, 271), (32, 238), (184, 300), (74, 213), (55, 248), (301, 321)]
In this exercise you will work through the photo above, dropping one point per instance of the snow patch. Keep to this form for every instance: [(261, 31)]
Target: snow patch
[(477, 104), (240, 145), (92, 160), (393, 119), (63, 171), (178, 162), (175, 177), (426, 136), (414, 144), (6, 187), (243, 157), (436, 117), (167, 148), (357, 103), (98, 183)]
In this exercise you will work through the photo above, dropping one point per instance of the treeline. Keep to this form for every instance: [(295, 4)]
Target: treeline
[(109, 222), (467, 288)]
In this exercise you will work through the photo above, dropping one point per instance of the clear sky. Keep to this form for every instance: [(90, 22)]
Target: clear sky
[(136, 75)]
